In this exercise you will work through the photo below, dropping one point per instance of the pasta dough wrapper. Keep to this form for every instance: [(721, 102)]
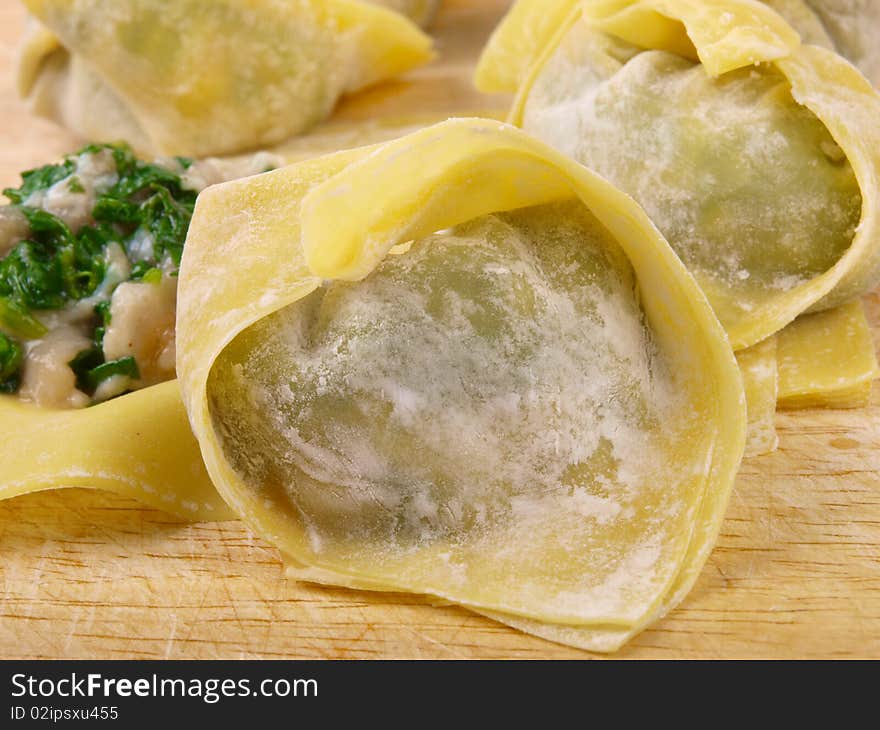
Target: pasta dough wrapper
[(761, 381), (139, 445), (850, 27), (533, 26), (669, 97), (822, 360), (518, 42), (335, 135), (361, 404), (199, 79), (827, 360)]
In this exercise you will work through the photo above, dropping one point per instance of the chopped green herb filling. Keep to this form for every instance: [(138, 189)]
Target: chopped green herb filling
[(11, 356), (125, 366), (42, 178), (91, 370), (16, 320), (144, 208)]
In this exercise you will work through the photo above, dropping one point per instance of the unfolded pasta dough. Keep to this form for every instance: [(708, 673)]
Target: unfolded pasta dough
[(193, 78), (756, 155), (827, 360), (821, 360), (402, 380), (138, 446)]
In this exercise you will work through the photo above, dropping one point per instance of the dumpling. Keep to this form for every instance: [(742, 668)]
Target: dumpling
[(181, 77), (400, 360), (850, 27), (758, 157), (420, 11)]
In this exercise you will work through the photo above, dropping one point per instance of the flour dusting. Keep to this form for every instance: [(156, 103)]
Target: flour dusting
[(748, 186), (494, 396)]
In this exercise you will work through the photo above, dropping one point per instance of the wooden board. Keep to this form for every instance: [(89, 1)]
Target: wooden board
[(796, 572)]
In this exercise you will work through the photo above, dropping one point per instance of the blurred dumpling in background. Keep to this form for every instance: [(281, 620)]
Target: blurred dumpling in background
[(752, 147), (850, 27), (420, 11), (753, 152), (190, 78)]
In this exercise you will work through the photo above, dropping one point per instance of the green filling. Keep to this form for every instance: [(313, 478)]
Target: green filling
[(19, 322), (56, 267), (42, 178), (11, 356), (91, 369)]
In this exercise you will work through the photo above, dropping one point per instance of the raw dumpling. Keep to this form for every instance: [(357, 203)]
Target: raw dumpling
[(399, 361), (420, 11), (182, 77), (758, 157), (850, 27)]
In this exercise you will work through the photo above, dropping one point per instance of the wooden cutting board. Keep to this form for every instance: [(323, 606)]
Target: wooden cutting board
[(796, 572)]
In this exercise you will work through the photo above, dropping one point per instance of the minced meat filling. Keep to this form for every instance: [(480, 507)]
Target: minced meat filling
[(89, 254)]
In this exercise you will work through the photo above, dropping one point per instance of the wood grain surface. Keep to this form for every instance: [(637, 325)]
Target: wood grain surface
[(796, 572)]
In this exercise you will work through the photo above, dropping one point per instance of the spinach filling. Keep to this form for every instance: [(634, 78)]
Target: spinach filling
[(55, 267)]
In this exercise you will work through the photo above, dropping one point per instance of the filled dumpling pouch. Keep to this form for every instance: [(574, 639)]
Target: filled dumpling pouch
[(195, 78), (850, 27), (461, 365), (756, 155), (420, 11)]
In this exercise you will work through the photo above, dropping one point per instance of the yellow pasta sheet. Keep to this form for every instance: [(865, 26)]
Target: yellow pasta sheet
[(139, 445), (761, 381), (849, 27), (827, 360)]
